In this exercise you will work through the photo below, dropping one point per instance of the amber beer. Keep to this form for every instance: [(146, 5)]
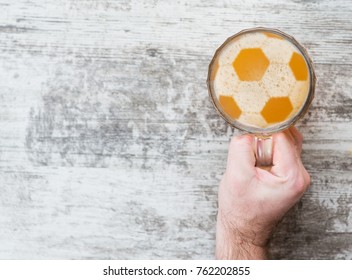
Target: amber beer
[(261, 81)]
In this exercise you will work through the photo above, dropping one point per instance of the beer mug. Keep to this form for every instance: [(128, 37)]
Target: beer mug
[(261, 81)]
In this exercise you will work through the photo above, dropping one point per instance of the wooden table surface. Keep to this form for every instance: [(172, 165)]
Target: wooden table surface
[(110, 147)]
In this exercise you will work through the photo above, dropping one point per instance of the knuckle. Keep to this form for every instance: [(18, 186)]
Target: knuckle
[(297, 132), (307, 178), (299, 135), (299, 138), (300, 184), (241, 139), (281, 137)]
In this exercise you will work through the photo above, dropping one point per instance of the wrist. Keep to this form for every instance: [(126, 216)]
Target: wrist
[(232, 244)]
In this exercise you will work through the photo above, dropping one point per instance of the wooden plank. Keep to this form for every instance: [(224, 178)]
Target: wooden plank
[(110, 148)]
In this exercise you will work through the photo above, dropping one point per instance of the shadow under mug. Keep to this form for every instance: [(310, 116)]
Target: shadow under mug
[(263, 136)]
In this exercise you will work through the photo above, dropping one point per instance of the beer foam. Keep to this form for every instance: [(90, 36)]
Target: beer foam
[(228, 53), (278, 50), (251, 96), (251, 119), (278, 80), (298, 94), (234, 46), (252, 40), (226, 81)]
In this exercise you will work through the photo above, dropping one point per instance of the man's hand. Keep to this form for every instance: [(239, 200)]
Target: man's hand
[(253, 200)]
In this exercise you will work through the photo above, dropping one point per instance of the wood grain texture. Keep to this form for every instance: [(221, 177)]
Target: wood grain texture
[(110, 148)]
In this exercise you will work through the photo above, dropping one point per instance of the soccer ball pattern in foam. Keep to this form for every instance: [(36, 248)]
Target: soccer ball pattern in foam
[(276, 80)]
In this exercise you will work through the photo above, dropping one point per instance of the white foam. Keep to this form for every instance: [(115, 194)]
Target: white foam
[(278, 80), (226, 81), (251, 40), (255, 120), (231, 50), (298, 94), (229, 53), (277, 50), (250, 97)]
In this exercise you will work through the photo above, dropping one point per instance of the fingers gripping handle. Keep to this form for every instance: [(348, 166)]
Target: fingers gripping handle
[(264, 151)]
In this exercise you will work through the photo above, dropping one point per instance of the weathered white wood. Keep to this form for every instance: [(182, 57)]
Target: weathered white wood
[(110, 148)]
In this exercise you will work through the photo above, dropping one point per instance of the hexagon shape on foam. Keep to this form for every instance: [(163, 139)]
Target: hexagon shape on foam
[(277, 50), (250, 64), (233, 47), (250, 97), (278, 80), (273, 35), (299, 93), (225, 81), (277, 109), (299, 67), (229, 106), (254, 119)]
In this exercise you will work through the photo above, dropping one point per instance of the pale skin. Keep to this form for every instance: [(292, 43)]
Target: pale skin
[(252, 201)]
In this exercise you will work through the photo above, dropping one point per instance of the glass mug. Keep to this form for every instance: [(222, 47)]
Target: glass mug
[(261, 81)]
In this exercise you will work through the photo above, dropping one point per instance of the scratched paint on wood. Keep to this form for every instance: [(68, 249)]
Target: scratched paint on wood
[(110, 148)]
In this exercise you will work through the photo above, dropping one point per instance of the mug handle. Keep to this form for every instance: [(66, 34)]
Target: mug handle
[(264, 151)]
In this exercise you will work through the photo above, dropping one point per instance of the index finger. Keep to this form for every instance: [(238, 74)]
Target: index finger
[(241, 157)]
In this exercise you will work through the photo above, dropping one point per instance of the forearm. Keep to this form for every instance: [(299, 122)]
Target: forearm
[(230, 246)]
